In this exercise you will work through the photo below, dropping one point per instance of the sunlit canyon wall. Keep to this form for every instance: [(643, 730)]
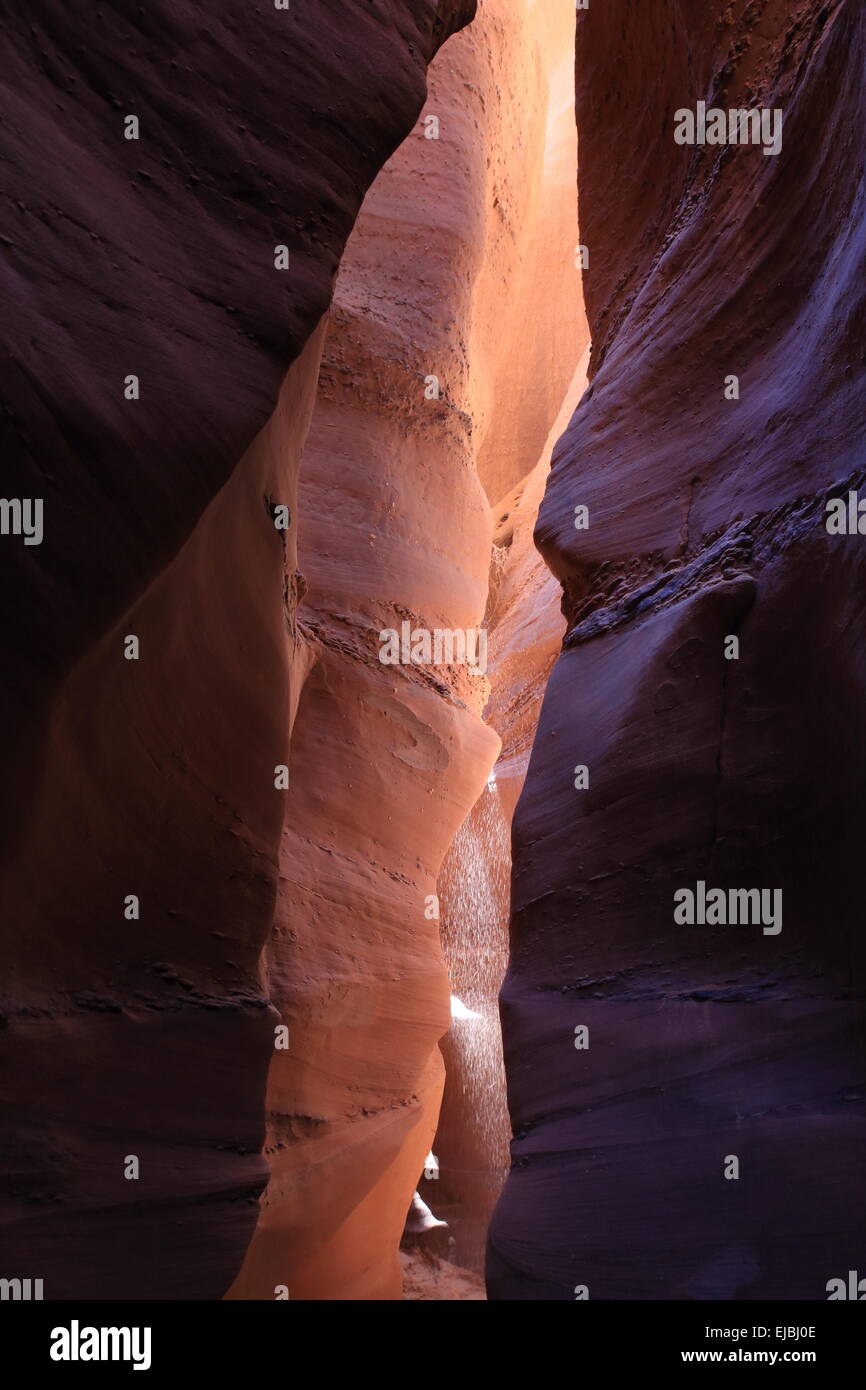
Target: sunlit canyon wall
[(706, 1043), (461, 267)]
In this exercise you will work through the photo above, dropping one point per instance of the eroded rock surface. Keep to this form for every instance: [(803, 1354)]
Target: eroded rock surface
[(151, 1036), (396, 527), (706, 521)]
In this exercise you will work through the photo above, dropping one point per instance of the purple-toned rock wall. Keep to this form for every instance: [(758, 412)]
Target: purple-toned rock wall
[(735, 764)]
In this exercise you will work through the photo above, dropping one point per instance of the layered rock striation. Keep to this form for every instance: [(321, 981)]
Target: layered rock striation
[(739, 767), (185, 182), (406, 447)]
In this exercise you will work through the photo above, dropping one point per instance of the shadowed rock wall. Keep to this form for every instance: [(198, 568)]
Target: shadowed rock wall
[(150, 1036), (706, 522)]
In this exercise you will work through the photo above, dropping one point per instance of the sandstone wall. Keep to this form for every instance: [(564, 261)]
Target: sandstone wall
[(706, 521), (438, 280), (155, 777)]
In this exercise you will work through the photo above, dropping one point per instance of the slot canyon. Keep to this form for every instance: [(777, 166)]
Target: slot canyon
[(349, 318)]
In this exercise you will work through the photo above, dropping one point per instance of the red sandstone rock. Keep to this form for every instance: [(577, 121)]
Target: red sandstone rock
[(387, 761), (541, 319), (156, 778)]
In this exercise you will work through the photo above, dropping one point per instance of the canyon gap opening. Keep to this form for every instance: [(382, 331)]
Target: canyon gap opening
[(455, 346)]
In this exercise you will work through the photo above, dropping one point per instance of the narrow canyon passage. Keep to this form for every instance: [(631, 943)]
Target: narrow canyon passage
[(432, 708), (434, 405)]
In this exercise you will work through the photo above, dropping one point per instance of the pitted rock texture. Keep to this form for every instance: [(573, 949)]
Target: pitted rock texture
[(706, 522)]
